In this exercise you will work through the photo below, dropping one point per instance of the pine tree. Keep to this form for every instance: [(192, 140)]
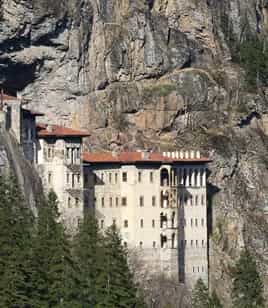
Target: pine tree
[(89, 252), (15, 241), (53, 267), (116, 284), (200, 295), (247, 289), (214, 301)]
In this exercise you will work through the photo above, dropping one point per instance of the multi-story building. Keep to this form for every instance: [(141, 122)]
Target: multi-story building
[(59, 165), (158, 201), (21, 122)]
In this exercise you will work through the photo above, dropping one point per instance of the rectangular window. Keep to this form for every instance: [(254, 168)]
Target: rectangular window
[(141, 201), (196, 200), (110, 178), (153, 201), (192, 222), (124, 176), (141, 223), (102, 177), (69, 202), (116, 201), (68, 178), (116, 178), (102, 202), (73, 180), (111, 201), (153, 223), (196, 222), (202, 200), (49, 177), (78, 178), (202, 222), (124, 201), (196, 243), (125, 223), (76, 202), (139, 177), (114, 221), (154, 244), (151, 177)]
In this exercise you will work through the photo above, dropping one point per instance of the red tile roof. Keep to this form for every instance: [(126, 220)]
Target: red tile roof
[(45, 130), (137, 157), (8, 97)]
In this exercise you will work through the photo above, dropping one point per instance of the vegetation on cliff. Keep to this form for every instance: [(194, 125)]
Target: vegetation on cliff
[(40, 266)]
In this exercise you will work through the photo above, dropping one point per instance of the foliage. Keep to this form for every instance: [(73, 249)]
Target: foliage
[(254, 58), (116, 284), (40, 266), (201, 297), (247, 289), (15, 243)]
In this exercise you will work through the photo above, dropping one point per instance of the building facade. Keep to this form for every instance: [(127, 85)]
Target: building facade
[(59, 165), (158, 201)]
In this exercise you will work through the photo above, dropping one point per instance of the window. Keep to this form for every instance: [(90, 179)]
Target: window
[(102, 202), (110, 178), (203, 243), (153, 223), (151, 177), (195, 177), (196, 243), (69, 202), (141, 243), (141, 223), (102, 224), (141, 201), (73, 180), (185, 243), (111, 201), (76, 202), (198, 269), (196, 222), (125, 244), (124, 177), (78, 178), (202, 222), (49, 177), (192, 222), (196, 200), (116, 201), (68, 178), (124, 201), (139, 177), (193, 269), (191, 200), (114, 221), (125, 223), (190, 177), (153, 201), (102, 177), (202, 200), (154, 244), (192, 243), (116, 178)]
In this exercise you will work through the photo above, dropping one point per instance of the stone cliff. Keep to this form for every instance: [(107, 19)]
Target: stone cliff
[(157, 74)]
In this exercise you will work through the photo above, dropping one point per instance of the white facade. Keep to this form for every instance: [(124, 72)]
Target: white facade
[(60, 167), (160, 210)]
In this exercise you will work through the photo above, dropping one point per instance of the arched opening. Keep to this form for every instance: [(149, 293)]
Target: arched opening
[(164, 177)]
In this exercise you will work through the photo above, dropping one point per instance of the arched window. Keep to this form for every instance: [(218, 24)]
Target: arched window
[(164, 177)]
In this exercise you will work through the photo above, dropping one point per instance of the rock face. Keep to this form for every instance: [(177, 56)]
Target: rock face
[(155, 74)]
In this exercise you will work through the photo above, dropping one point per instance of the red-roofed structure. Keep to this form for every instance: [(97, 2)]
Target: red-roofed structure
[(137, 157), (46, 131)]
